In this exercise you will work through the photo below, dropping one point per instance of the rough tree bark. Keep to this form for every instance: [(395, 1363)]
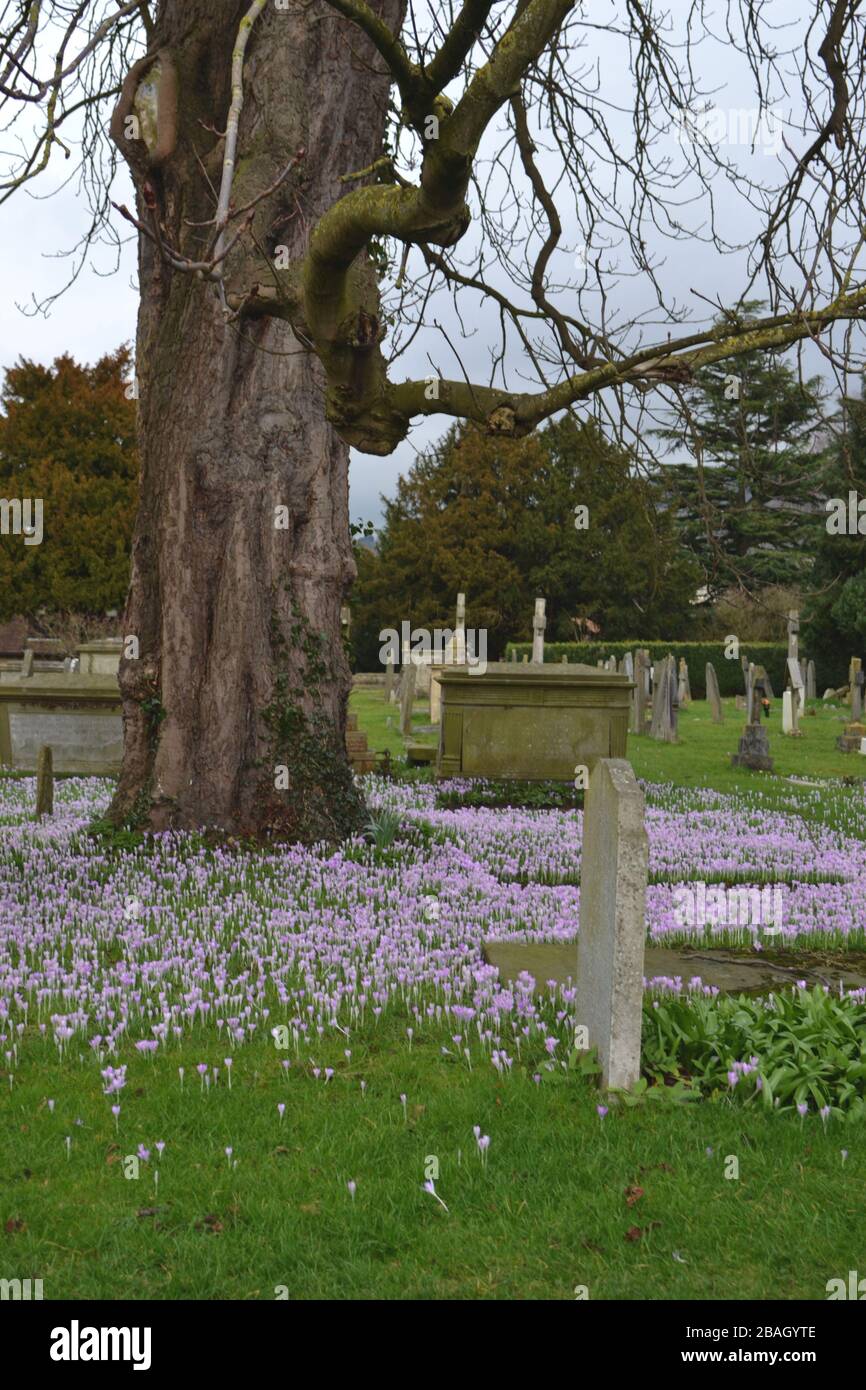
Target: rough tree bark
[(241, 668)]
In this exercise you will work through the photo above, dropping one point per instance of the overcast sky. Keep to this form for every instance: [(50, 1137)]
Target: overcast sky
[(98, 311)]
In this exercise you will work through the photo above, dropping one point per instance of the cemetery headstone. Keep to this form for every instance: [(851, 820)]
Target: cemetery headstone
[(389, 682), (797, 687), (532, 723), (850, 741), (762, 675), (713, 696), (538, 625), (407, 697), (78, 717), (639, 702), (435, 697), (103, 658), (456, 654), (853, 667), (810, 681), (788, 712), (610, 949), (27, 664), (45, 783), (754, 749), (684, 690), (857, 697), (665, 704), (760, 694), (750, 693)]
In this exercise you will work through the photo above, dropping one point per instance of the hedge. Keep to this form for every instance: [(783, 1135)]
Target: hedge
[(772, 655)]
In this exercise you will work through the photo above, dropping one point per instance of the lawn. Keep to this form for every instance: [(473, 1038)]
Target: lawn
[(397, 1048), (556, 1204)]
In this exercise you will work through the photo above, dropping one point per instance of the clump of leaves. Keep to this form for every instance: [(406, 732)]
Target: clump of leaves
[(382, 829), (798, 1048)]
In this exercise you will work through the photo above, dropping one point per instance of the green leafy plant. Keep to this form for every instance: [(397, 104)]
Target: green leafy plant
[(799, 1048), (382, 829)]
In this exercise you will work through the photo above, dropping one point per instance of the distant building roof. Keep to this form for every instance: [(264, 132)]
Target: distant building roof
[(12, 637)]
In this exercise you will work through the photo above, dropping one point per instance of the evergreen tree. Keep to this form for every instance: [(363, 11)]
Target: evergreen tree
[(497, 519), (835, 615), (67, 438), (750, 508)]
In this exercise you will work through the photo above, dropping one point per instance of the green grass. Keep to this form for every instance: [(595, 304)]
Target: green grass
[(702, 756), (381, 721), (549, 1210)]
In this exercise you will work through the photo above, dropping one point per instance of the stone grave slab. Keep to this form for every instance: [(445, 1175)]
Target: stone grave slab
[(556, 960), (78, 717)]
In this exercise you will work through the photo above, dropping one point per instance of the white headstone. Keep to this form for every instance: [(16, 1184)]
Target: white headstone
[(610, 948), (538, 626)]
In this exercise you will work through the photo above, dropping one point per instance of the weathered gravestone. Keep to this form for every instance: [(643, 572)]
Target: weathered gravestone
[(857, 697), (684, 688), (640, 694), (749, 674), (407, 697), (665, 703), (762, 676), (530, 722), (713, 696), (853, 667), (44, 783), (454, 655), (78, 717), (27, 664), (610, 948), (851, 740), (796, 692), (538, 625), (103, 658), (754, 749), (811, 687), (389, 682)]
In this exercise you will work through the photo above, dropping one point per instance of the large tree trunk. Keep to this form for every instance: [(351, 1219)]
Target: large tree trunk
[(242, 670)]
